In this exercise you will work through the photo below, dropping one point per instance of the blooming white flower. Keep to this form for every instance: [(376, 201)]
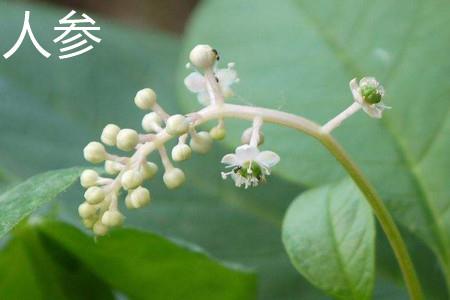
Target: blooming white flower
[(249, 165), (196, 83), (369, 94)]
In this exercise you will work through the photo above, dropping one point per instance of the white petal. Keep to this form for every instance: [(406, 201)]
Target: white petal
[(246, 153), (369, 81), (226, 77), (267, 159), (195, 82), (229, 159), (203, 98), (354, 87), (373, 111)]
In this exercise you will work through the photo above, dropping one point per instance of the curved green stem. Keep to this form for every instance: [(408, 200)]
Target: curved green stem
[(381, 212), (315, 130)]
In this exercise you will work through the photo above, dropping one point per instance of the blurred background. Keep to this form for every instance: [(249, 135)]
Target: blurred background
[(210, 240)]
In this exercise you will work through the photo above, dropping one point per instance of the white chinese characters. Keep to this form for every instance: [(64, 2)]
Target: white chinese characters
[(74, 36)]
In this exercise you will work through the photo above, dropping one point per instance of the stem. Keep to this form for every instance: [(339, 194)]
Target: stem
[(336, 121), (381, 212), (296, 122)]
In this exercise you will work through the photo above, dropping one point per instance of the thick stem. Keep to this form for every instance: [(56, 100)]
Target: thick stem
[(384, 217), (381, 212)]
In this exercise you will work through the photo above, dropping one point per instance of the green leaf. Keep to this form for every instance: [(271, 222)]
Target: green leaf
[(146, 266), (24, 198), (329, 234), (31, 267), (302, 58)]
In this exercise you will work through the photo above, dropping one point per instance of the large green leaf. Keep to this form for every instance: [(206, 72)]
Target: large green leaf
[(145, 266), (300, 55), (329, 234), (33, 268), (24, 198)]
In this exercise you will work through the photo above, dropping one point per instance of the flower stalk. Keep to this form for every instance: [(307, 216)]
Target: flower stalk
[(249, 166)]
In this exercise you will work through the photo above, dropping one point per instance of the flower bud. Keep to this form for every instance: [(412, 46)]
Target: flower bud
[(145, 99), (86, 210), (94, 152), (181, 152), (127, 139), (151, 122), (148, 170), (100, 229), (177, 125), (94, 195), (112, 218), (131, 179), (247, 136), (88, 178), (89, 222), (218, 133), (109, 134), (113, 167), (173, 178), (138, 198), (201, 142), (203, 56)]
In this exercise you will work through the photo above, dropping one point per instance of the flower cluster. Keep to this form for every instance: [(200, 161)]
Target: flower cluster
[(100, 211)]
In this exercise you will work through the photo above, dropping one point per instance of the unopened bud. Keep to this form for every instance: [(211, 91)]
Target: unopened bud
[(94, 195), (113, 167), (86, 210), (174, 178), (100, 229), (218, 133), (148, 170), (131, 179), (109, 134), (177, 125), (151, 122), (201, 142), (138, 198), (112, 218), (127, 139), (181, 152), (94, 152), (88, 178), (145, 99), (203, 56)]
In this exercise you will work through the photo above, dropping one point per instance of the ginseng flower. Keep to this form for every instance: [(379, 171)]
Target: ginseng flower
[(369, 94), (249, 165), (197, 83)]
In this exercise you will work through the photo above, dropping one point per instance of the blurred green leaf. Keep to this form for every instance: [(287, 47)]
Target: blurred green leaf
[(145, 266), (20, 201), (300, 55), (329, 234), (33, 268)]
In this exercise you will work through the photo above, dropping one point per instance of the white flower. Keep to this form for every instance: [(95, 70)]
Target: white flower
[(249, 165), (196, 83), (369, 93)]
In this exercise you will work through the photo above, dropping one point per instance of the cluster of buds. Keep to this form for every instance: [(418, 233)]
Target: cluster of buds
[(248, 166)]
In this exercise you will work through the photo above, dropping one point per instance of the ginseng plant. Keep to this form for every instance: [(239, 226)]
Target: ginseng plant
[(247, 166)]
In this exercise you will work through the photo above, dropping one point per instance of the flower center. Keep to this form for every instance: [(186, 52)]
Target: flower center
[(249, 169), (371, 95)]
